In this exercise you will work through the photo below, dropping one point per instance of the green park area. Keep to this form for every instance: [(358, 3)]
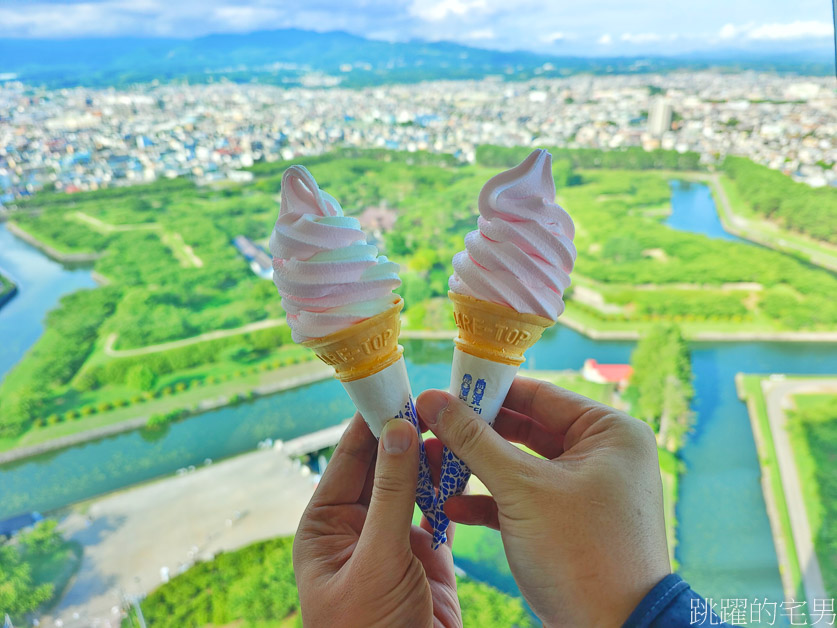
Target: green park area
[(170, 275), (812, 433), (255, 587)]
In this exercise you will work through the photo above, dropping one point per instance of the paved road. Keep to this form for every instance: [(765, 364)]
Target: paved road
[(777, 394), (129, 536)]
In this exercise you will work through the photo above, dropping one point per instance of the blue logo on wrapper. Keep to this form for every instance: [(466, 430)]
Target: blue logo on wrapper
[(455, 473)]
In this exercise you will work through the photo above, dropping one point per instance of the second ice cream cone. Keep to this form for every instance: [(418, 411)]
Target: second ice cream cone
[(495, 332)]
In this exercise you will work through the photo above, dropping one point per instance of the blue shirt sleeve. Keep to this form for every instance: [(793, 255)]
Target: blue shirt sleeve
[(672, 604)]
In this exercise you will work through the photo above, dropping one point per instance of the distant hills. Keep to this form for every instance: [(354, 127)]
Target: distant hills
[(288, 56)]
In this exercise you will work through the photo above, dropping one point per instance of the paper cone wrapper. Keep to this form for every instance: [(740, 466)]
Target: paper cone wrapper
[(489, 350), (368, 361)]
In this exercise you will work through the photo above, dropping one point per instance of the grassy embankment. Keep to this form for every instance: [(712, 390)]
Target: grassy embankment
[(749, 389), (812, 429)]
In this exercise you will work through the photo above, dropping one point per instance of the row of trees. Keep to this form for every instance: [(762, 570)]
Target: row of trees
[(662, 384), (631, 158), (256, 584), (777, 197)]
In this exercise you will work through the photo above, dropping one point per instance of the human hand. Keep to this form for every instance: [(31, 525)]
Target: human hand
[(583, 529), (358, 560)]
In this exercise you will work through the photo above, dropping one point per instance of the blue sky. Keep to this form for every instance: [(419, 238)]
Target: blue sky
[(601, 27)]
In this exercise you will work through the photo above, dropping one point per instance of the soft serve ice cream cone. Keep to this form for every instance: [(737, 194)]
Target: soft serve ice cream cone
[(507, 288), (338, 299)]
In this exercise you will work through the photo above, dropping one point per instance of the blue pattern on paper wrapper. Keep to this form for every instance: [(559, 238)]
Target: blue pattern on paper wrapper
[(425, 494), (455, 473)]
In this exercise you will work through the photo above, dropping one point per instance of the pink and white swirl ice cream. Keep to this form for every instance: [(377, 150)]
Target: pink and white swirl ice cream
[(522, 254), (338, 298), (329, 278), (507, 288)]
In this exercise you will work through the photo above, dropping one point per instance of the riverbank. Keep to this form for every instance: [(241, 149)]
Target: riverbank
[(38, 441), (789, 503), (740, 220), (749, 392), (52, 253), (8, 290)]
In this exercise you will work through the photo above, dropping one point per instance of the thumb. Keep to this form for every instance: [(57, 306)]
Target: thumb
[(390, 515), (470, 437)]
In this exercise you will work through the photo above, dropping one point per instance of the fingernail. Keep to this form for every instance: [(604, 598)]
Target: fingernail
[(432, 403), (396, 436)]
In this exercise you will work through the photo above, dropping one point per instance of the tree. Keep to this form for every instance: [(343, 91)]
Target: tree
[(18, 593), (141, 377), (662, 383)]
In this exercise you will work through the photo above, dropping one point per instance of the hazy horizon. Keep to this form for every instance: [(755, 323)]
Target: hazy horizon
[(603, 29)]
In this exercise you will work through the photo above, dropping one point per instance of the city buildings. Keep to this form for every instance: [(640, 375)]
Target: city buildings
[(84, 139)]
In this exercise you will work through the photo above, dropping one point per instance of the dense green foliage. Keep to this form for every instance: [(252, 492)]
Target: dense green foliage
[(777, 197), (662, 380), (256, 584), (630, 158), (28, 573), (71, 331), (817, 425)]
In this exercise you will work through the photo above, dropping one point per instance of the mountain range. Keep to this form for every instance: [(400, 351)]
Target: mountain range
[(292, 56)]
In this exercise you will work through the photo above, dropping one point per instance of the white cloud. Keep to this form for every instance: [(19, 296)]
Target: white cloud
[(728, 31), (437, 10), (641, 38), (483, 33), (777, 32), (247, 18), (605, 40), (553, 37), (792, 30)]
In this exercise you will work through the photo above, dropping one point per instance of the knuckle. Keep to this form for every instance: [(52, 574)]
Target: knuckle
[(467, 431), (387, 485)]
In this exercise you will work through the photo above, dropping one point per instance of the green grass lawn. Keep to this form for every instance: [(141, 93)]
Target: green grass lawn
[(752, 393)]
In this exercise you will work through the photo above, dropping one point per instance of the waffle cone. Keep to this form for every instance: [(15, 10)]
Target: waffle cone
[(495, 332), (365, 348)]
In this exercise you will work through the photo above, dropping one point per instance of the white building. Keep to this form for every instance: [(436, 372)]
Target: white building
[(659, 117)]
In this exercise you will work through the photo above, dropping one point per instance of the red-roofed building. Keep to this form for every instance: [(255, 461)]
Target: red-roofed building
[(607, 373)]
